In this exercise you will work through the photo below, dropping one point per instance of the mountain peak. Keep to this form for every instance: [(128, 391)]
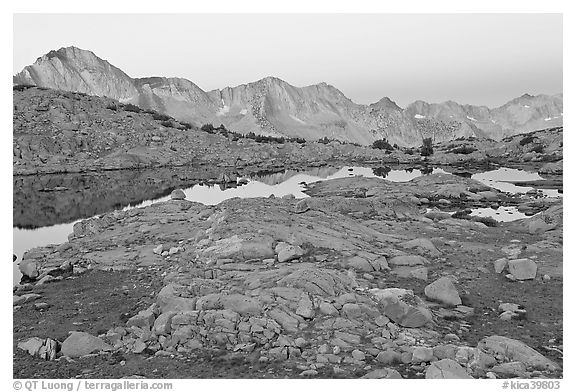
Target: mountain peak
[(386, 102), (272, 106), (69, 52)]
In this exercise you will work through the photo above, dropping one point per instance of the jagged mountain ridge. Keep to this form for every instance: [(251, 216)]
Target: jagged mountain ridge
[(272, 106)]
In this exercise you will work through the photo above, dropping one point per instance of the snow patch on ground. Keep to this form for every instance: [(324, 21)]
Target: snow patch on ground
[(244, 112), (419, 116), (493, 122), (471, 118), (548, 119), (297, 119), (526, 106)]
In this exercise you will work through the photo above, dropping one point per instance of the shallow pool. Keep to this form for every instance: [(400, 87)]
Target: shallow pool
[(284, 183)]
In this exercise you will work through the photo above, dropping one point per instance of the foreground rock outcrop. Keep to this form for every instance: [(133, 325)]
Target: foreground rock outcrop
[(313, 286)]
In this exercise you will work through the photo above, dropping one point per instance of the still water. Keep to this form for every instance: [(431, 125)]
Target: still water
[(290, 182)]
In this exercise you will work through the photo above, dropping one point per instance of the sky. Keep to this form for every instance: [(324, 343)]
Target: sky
[(480, 59)]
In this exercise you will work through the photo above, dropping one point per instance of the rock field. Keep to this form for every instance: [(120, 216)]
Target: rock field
[(366, 278)]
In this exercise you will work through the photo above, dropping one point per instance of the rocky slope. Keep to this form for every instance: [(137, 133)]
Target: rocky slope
[(356, 281), (56, 131), (273, 107)]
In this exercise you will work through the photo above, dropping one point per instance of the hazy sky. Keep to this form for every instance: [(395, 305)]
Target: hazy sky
[(481, 59)]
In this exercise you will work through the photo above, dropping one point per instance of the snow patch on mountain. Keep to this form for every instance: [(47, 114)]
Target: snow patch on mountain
[(297, 119), (223, 111)]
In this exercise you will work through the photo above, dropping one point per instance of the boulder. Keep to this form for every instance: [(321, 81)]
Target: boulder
[(403, 307), (446, 369), (177, 194), (287, 252), (305, 307), (499, 265), (302, 206), (422, 354), (163, 324), (82, 343), (171, 298), (510, 369), (388, 357), (327, 309), (29, 268), (359, 264), (48, 350), (144, 320), (288, 323), (516, 350), (522, 269), (443, 290), (31, 345)]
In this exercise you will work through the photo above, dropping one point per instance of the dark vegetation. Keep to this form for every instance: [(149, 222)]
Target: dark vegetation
[(382, 144), (426, 148), (209, 128), (132, 108), (463, 150), (381, 171), (465, 214), (22, 87)]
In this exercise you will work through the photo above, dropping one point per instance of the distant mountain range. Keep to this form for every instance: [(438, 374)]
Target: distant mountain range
[(271, 106)]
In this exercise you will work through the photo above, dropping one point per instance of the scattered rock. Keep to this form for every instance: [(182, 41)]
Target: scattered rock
[(82, 343), (31, 345), (522, 269), (499, 265), (302, 206), (511, 311), (444, 291)]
